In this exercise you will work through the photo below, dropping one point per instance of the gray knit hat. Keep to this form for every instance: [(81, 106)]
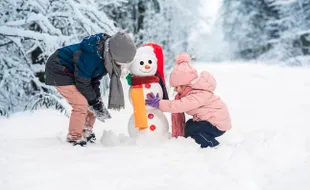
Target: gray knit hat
[(122, 47)]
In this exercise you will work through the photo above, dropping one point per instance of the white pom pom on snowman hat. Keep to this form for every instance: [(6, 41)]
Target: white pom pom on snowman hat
[(145, 51)]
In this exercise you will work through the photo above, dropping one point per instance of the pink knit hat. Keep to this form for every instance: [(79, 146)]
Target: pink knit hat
[(183, 73)]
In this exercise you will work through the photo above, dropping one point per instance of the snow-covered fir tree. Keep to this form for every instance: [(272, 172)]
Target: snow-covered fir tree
[(30, 31), (267, 29), (245, 27), (293, 23)]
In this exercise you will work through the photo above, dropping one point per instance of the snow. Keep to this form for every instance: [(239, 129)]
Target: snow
[(267, 148)]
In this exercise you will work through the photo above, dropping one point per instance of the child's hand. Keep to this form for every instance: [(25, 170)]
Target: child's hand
[(153, 101), (100, 111)]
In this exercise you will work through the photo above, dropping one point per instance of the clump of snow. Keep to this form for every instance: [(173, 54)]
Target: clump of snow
[(109, 138), (267, 148)]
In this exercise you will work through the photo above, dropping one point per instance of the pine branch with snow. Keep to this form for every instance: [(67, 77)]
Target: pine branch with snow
[(30, 31), (47, 101)]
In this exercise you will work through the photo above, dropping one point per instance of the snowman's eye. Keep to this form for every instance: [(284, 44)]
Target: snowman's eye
[(141, 63), (150, 61)]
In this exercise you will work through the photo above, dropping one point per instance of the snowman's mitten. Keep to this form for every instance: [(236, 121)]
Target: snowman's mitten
[(100, 111)]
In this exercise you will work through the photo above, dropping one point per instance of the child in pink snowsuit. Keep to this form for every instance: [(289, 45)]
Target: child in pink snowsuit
[(195, 97)]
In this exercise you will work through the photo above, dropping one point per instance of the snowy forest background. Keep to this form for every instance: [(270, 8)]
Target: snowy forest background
[(271, 31)]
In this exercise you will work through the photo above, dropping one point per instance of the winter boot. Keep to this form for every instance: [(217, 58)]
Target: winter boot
[(89, 135), (76, 141)]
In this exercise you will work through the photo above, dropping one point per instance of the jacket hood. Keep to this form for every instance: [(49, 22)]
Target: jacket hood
[(204, 82)]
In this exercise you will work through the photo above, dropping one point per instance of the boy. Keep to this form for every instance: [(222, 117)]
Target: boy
[(76, 71)]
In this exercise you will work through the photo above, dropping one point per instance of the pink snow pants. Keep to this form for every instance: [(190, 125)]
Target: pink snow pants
[(80, 117)]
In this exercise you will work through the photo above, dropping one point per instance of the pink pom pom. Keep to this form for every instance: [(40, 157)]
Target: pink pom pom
[(183, 57)]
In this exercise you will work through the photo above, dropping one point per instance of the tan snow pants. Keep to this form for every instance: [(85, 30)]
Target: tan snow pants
[(80, 117)]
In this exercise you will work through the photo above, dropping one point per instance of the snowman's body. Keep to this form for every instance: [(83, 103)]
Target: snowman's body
[(157, 123)]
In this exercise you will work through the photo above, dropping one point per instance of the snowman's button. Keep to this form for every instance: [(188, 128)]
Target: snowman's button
[(150, 116), (152, 127), (148, 85)]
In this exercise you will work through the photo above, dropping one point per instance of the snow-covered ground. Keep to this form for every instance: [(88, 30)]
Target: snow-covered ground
[(268, 147)]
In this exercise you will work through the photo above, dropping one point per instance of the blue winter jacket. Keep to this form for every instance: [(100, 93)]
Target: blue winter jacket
[(81, 64)]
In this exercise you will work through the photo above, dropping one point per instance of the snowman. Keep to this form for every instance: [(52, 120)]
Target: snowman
[(147, 76)]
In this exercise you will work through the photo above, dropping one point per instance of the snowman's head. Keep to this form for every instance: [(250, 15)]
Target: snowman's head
[(144, 63)]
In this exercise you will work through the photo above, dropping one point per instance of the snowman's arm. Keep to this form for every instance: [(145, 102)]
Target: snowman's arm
[(185, 104)]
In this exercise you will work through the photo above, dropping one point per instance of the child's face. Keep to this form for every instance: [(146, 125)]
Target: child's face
[(180, 89)]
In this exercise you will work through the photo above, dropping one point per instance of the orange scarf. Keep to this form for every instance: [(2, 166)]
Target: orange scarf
[(138, 99), (178, 119)]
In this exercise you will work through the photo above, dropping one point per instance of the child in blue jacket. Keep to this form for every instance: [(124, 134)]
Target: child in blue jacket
[(76, 71)]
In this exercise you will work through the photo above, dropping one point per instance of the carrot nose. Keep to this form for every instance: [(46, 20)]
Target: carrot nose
[(147, 67)]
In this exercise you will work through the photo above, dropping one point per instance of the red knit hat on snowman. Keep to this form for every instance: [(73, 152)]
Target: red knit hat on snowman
[(158, 51)]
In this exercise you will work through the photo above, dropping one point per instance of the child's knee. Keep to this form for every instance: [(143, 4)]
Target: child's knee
[(189, 122)]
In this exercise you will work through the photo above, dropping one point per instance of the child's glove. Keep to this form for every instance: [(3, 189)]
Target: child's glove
[(100, 111), (153, 101)]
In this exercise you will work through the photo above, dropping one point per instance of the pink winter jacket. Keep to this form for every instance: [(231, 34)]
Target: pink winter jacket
[(201, 103)]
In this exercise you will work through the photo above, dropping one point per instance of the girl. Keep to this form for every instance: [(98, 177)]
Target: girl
[(76, 71), (195, 96)]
